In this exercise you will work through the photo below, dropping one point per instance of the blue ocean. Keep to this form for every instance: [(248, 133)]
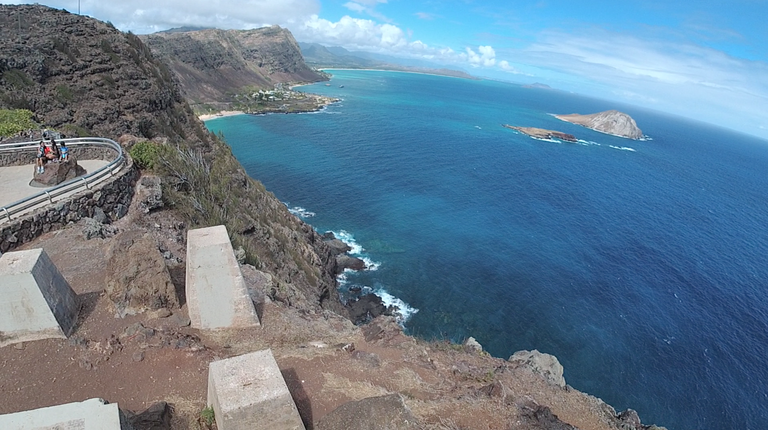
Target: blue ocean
[(641, 265)]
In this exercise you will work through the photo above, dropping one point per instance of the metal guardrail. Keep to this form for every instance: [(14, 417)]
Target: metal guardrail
[(76, 183)]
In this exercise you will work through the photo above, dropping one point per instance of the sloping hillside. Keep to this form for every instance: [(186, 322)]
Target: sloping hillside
[(211, 64), (83, 77)]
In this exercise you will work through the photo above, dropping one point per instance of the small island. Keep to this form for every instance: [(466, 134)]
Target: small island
[(542, 133), (610, 122), (537, 85)]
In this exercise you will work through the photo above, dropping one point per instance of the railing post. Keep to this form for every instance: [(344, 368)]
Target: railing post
[(7, 214)]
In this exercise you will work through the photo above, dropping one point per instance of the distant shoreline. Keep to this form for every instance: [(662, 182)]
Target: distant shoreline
[(469, 77), (205, 117)]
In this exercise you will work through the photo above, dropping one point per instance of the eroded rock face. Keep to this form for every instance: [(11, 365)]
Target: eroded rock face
[(545, 364), (211, 63), (380, 412), (138, 279), (59, 172), (150, 193)]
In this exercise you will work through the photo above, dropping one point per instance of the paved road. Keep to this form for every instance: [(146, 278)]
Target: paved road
[(14, 180)]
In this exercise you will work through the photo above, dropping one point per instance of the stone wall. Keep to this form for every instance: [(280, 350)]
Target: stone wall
[(27, 156), (112, 195)]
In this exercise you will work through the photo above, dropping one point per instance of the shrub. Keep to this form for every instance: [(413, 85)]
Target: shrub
[(207, 417), (15, 121), (64, 93), (145, 154), (17, 79)]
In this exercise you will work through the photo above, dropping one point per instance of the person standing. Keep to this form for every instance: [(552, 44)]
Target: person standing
[(41, 150)]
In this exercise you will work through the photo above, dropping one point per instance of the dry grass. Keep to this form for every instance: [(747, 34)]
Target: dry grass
[(186, 412)]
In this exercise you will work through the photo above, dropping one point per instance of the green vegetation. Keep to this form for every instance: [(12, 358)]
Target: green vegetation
[(145, 154), (64, 93), (66, 49), (15, 121), (107, 48), (17, 79), (207, 416)]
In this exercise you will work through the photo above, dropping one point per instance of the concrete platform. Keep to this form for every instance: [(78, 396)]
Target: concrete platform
[(15, 180), (92, 414), (217, 297), (249, 392), (36, 302)]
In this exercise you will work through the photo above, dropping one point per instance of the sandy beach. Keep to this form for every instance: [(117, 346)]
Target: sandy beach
[(205, 117)]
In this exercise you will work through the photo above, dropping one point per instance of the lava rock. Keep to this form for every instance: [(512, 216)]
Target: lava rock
[(373, 413)]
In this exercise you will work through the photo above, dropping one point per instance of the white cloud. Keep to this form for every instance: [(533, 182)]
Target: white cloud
[(681, 78), (148, 16), (356, 7), (368, 7), (486, 56)]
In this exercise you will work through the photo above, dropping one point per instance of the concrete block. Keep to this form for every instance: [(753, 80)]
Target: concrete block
[(35, 300), (248, 392), (92, 414), (217, 297)]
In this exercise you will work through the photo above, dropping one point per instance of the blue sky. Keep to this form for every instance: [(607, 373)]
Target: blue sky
[(706, 60)]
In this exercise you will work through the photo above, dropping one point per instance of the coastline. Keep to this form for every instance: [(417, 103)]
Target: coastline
[(225, 113), (401, 71)]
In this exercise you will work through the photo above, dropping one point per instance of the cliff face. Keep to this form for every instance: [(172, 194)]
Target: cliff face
[(212, 63), (83, 77), (611, 122)]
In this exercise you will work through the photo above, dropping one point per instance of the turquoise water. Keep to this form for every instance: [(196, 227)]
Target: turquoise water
[(641, 265)]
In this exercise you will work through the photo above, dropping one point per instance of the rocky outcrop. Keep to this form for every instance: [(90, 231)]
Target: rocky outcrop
[(542, 133), (212, 64), (58, 172), (387, 412), (138, 278), (545, 364), (365, 308), (611, 122), (541, 417)]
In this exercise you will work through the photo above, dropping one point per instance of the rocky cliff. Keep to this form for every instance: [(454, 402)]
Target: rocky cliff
[(611, 122), (83, 77), (211, 64)]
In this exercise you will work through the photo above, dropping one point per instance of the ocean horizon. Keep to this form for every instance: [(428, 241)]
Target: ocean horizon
[(640, 265)]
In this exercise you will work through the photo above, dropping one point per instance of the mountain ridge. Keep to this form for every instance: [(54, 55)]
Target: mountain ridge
[(323, 57), (212, 64)]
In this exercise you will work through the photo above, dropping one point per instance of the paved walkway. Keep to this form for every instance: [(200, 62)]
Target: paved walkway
[(14, 180)]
